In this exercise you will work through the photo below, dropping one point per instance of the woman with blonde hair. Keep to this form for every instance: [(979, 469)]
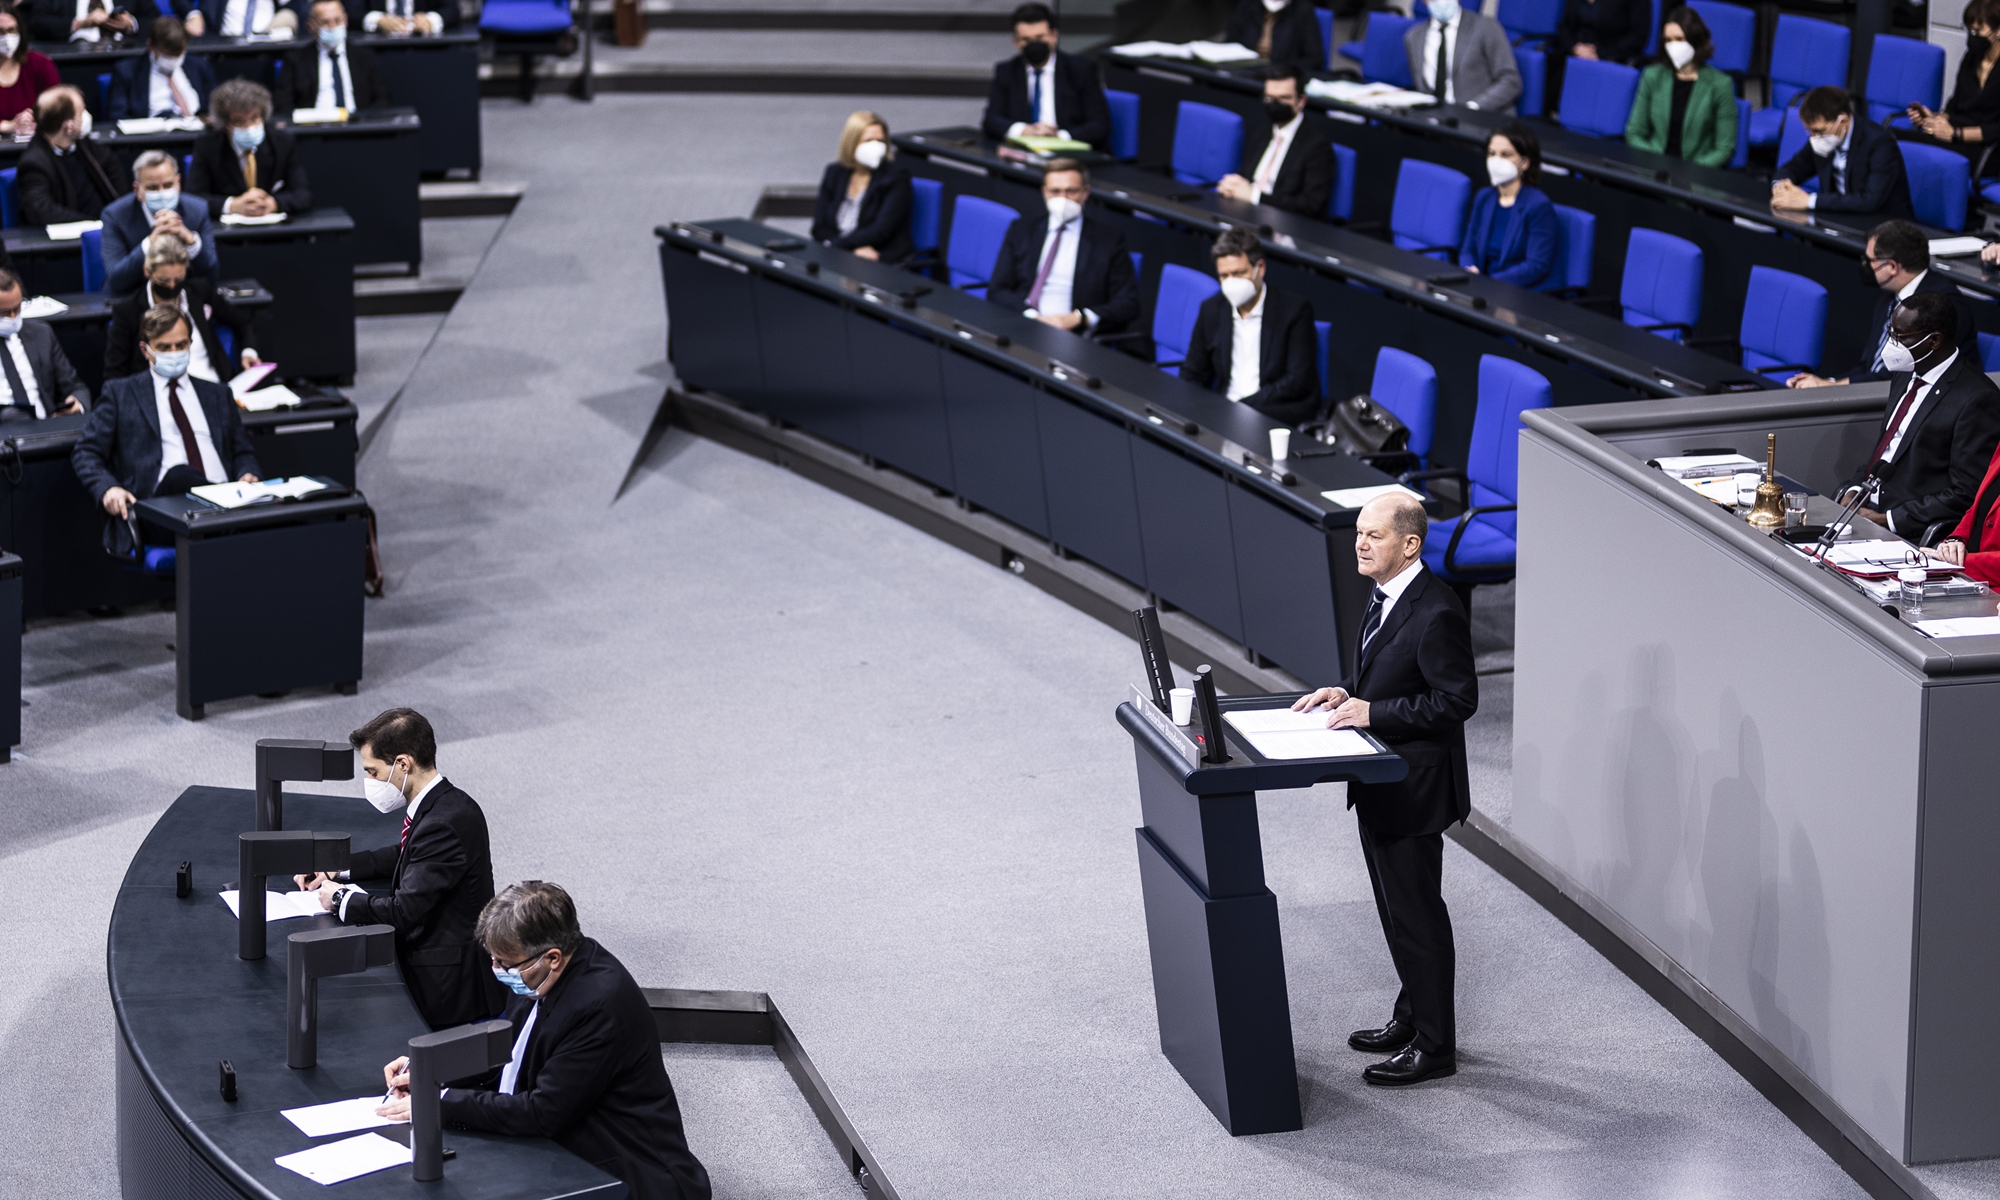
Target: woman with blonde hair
[(864, 197)]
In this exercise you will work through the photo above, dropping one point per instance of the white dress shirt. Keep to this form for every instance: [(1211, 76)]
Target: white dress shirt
[(1397, 585), (1060, 286), (34, 396), (1839, 167), (1930, 379), (400, 8), (510, 1075), (258, 13), (326, 98), (160, 90), (199, 365), (1432, 32), (173, 453), (89, 33), (1266, 176), (410, 813), (1246, 348), (1045, 109)]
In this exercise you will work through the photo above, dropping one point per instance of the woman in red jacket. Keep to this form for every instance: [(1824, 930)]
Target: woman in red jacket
[(1975, 544)]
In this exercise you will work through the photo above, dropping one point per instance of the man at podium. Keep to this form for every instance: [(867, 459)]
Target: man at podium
[(1413, 686)]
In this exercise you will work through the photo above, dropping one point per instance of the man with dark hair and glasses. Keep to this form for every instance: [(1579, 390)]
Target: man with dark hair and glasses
[(436, 877), (1043, 92), (1896, 262)]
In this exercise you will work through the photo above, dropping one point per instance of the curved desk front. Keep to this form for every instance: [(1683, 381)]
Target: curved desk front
[(184, 1003)]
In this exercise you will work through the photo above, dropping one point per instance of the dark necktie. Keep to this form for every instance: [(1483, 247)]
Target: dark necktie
[(186, 427), (1896, 422), (20, 389), (1441, 73), (1048, 263), (339, 88), (1373, 621), (1034, 96)]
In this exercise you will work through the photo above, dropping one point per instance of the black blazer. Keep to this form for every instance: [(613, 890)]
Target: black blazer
[(884, 221), (298, 83), (1080, 104), (1306, 177), (1295, 40), (216, 175), (1885, 307), (1937, 469), (1418, 679), (1105, 282), (1287, 357), (1876, 181), (591, 1078), (438, 881), (45, 192), (1620, 29), (55, 378), (131, 92), (120, 446), (209, 309)]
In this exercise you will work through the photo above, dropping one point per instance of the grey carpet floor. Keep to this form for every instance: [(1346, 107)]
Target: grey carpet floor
[(773, 740)]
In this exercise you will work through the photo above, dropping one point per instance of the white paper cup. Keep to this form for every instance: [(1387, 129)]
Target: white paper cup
[(1281, 444), (1182, 701)]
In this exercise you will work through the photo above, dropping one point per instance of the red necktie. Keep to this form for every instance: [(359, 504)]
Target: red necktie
[(1048, 262), (406, 832), (1896, 422), (186, 427)]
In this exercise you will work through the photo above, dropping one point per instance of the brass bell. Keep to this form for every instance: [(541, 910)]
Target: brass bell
[(1769, 511)]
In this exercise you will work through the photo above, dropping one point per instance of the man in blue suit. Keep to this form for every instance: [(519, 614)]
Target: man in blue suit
[(163, 432), (166, 81), (155, 208)]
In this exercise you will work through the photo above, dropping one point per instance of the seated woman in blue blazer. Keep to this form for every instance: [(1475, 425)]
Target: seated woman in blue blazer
[(1513, 230), (864, 197)]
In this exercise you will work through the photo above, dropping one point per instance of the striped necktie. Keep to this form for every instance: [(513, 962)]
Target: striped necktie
[(406, 833), (1373, 621)]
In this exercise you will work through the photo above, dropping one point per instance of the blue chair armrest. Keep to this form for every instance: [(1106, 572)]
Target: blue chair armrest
[(1465, 519)]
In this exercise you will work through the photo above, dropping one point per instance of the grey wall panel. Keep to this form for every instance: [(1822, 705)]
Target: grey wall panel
[(899, 394), (1725, 765), (996, 451), (1190, 555), (1284, 577), (1093, 501)]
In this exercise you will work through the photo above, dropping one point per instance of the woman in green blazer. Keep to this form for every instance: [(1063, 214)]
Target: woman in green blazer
[(1685, 108)]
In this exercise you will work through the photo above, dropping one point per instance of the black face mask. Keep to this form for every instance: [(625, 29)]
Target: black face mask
[(1280, 111), (167, 291), (1037, 53), (1868, 274)]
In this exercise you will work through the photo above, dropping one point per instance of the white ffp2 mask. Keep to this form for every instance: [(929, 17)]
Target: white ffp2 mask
[(1502, 171), (1680, 54), (871, 154), (1063, 210), (1239, 291), (386, 797)]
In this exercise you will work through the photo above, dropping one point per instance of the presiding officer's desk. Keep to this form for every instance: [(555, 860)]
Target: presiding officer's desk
[(305, 262), (436, 76), (1070, 441), (48, 518), (1727, 213), (1776, 791), (1373, 292), (184, 1002)]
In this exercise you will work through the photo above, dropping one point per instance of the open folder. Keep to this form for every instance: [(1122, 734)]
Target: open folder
[(1280, 733)]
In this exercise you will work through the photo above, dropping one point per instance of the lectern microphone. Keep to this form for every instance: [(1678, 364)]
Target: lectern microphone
[(312, 956), (1214, 749), (282, 759), (277, 852), (434, 1058)]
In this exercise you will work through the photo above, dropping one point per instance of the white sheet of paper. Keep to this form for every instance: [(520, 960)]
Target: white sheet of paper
[(1947, 247), (267, 398), (348, 1158), (1356, 497), (70, 231), (240, 219), (279, 906), (341, 1116), (146, 126), (250, 377), (318, 116), (1961, 627), (1154, 50), (42, 306), (1280, 733), (1221, 52)]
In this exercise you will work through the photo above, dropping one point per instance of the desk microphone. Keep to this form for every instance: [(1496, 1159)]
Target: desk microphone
[(1869, 483)]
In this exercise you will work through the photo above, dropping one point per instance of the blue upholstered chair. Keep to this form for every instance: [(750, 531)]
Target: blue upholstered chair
[(1340, 203), (1732, 29), (978, 226), (1408, 387), (1940, 184), (1805, 53), (1534, 68), (92, 246), (1428, 213), (1530, 21), (1597, 97), (1478, 545), (1661, 288), (1124, 122), (1901, 72), (1576, 252), (1182, 289), (10, 201), (1208, 142), (1383, 59), (1784, 323)]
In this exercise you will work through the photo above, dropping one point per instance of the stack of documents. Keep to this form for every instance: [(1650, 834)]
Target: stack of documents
[(70, 231), (1368, 95), (1208, 52), (42, 306), (236, 495), (1280, 733), (318, 116), (279, 906), (1876, 558), (1948, 247), (1707, 466), (147, 126)]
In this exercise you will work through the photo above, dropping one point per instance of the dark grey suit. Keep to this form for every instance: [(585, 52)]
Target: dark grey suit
[(54, 378), (120, 446), (1482, 63)]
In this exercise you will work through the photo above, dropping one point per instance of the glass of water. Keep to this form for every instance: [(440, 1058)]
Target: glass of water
[(1795, 509)]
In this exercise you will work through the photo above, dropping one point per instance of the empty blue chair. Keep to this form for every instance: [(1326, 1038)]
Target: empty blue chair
[(1534, 68), (1322, 338), (10, 203), (1428, 213), (1325, 16), (926, 210), (524, 18), (1175, 306), (1805, 53), (1340, 203), (1597, 97), (1653, 38), (1124, 123), (1408, 387), (1989, 352), (93, 260), (1901, 72), (1530, 20), (104, 92), (1733, 30), (1784, 323), (1792, 137), (1661, 289), (1208, 142), (1576, 251), (1940, 184), (1382, 56), (1478, 545), (1741, 158), (978, 226)]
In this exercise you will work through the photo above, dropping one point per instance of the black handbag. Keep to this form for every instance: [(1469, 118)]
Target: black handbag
[(1362, 427)]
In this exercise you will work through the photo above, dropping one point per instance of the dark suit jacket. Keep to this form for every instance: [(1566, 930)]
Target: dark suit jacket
[(1885, 307), (49, 20), (45, 192), (205, 305), (1876, 180), (591, 1078), (1287, 358), (298, 83), (884, 220), (212, 11), (1620, 32), (132, 87), (1104, 283), (1936, 472), (1306, 177), (438, 881), (120, 446), (1080, 104), (216, 174), (1531, 233), (55, 378), (126, 227), (1418, 679), (1295, 40)]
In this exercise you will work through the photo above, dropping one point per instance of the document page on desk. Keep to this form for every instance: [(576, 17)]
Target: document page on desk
[(278, 906), (341, 1116), (1280, 733), (349, 1158)]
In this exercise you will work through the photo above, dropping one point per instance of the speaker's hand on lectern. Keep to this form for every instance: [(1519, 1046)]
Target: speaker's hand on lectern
[(1326, 697), (1351, 715)]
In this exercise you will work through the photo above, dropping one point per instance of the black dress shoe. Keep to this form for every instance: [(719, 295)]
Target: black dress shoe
[(1393, 1036), (1411, 1066)]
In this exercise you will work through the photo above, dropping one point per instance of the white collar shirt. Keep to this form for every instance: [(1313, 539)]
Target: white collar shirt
[(1042, 95), (19, 353), (510, 1075), (1929, 380), (1449, 32), (417, 800), (1246, 348), (160, 91), (1273, 161), (1396, 586), (199, 364), (173, 452), (1059, 289), (326, 98), (240, 17)]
